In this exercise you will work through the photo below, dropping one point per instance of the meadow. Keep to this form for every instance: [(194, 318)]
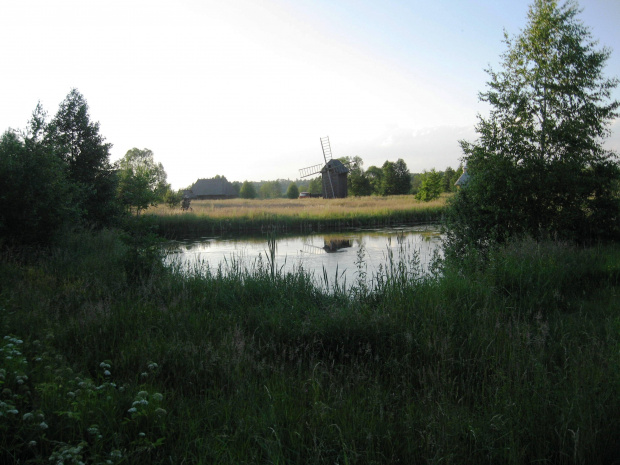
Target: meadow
[(107, 357), (294, 215)]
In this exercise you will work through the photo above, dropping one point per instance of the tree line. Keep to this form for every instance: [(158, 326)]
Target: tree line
[(393, 178), (58, 174)]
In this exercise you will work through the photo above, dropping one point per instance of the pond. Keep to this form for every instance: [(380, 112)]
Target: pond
[(330, 257)]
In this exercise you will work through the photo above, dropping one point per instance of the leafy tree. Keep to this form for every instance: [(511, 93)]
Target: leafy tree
[(292, 192), (247, 190), (431, 186), (539, 167), (77, 142), (416, 182), (36, 198), (388, 180), (448, 180), (173, 198), (316, 186), (358, 183), (142, 182), (396, 179), (375, 177), (270, 190), (403, 177), (236, 186)]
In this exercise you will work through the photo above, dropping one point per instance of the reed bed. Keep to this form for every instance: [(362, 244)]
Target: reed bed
[(297, 215), (105, 360)]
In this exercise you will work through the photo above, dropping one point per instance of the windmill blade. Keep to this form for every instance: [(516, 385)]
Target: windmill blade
[(310, 170), (327, 149)]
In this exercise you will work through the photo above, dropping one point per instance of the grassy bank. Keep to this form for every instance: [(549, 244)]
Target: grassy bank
[(106, 360), (298, 215)]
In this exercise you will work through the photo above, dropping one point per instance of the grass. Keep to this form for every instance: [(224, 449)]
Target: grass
[(298, 215), (514, 362)]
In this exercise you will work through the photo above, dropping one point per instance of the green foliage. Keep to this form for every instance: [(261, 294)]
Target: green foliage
[(77, 142), (316, 186), (358, 184), (173, 198), (431, 186), (247, 190), (292, 192), (270, 190), (236, 185), (49, 414), (395, 179), (539, 167), (448, 180), (142, 182), (375, 177), (36, 199)]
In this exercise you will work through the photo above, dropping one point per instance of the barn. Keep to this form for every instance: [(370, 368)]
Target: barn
[(213, 188)]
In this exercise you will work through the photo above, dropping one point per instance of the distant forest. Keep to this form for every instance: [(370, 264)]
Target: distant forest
[(392, 178)]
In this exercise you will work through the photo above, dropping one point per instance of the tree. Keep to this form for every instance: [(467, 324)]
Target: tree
[(77, 142), (539, 167), (316, 186), (388, 180), (375, 177), (358, 183), (448, 180), (270, 190), (416, 182), (396, 179), (403, 177), (247, 190), (142, 182), (430, 187), (236, 186), (173, 198), (36, 198), (292, 192)]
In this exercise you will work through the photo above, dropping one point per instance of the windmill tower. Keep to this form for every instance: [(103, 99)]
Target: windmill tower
[(333, 173)]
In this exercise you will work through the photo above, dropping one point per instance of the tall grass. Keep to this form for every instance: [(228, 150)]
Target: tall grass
[(299, 215), (514, 362)]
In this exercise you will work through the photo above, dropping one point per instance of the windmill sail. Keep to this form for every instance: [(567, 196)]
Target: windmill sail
[(327, 149), (310, 170)]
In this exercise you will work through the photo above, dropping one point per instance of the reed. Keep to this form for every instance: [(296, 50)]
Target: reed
[(512, 362), (299, 215)]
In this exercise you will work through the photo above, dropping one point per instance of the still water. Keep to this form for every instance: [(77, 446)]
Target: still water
[(338, 256)]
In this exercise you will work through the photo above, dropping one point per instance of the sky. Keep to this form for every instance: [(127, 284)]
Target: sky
[(246, 88)]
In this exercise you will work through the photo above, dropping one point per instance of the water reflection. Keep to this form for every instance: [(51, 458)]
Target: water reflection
[(337, 254)]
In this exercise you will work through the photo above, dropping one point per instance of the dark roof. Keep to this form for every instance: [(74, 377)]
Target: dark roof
[(213, 186), (336, 166)]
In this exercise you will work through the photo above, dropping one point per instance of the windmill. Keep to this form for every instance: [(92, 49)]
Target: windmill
[(333, 173)]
